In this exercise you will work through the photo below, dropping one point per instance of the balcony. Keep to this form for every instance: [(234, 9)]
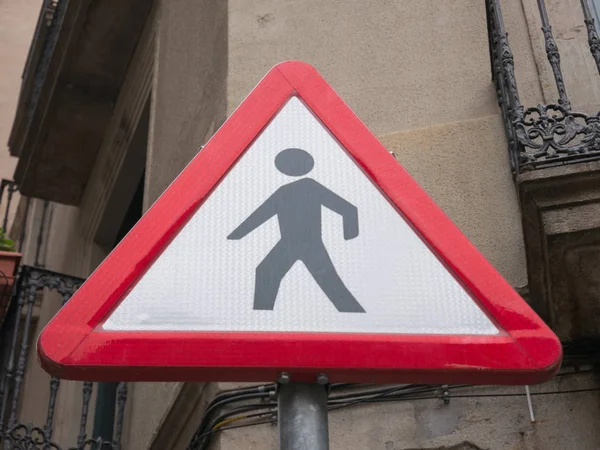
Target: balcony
[(555, 158), (76, 64)]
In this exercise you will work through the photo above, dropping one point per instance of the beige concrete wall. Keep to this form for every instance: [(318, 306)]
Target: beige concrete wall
[(464, 168), (189, 87), (399, 65), (17, 23), (563, 421)]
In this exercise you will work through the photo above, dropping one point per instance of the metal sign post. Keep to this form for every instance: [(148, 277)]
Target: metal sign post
[(303, 421)]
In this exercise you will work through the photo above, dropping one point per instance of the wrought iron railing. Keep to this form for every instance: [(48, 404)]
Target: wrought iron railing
[(543, 135), (44, 20), (51, 16), (35, 72), (15, 346), (17, 333), (7, 190)]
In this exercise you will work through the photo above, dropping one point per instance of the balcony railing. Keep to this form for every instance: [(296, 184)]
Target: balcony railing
[(16, 344), (18, 332), (542, 135), (7, 198), (7, 191)]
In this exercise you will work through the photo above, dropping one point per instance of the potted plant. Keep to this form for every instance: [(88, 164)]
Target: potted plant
[(9, 263)]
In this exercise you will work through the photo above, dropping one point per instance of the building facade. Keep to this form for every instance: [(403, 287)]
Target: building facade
[(491, 105), (17, 25)]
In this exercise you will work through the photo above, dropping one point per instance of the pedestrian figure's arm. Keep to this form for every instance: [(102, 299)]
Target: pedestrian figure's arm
[(263, 213), (347, 210)]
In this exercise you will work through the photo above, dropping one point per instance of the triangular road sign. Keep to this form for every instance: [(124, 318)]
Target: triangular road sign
[(294, 242)]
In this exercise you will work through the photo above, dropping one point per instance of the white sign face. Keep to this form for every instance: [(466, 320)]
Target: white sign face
[(297, 238)]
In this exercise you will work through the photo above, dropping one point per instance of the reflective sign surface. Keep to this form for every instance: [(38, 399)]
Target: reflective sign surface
[(261, 227)]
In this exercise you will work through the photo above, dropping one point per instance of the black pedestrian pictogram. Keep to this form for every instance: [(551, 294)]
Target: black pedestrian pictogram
[(298, 209)]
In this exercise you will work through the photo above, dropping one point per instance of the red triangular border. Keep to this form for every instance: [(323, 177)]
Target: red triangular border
[(71, 347)]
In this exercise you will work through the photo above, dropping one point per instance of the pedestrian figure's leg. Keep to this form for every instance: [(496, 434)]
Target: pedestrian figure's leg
[(269, 274), (317, 261)]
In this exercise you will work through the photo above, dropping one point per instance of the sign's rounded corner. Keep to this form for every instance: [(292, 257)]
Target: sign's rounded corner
[(49, 361), (546, 355), (294, 65), (554, 357)]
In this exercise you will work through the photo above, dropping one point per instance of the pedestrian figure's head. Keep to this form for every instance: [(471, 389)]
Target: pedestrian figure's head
[(294, 162)]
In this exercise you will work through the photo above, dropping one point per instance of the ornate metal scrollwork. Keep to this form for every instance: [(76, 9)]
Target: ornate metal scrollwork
[(28, 437), (549, 132), (15, 336), (546, 134), (10, 187)]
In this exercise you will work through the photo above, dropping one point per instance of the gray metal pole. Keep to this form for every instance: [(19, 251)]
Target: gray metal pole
[(303, 421)]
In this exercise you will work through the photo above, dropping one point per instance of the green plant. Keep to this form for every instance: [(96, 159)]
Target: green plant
[(6, 244)]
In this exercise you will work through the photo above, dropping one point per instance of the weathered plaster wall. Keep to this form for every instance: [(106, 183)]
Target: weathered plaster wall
[(464, 168), (398, 64), (563, 421), (189, 87)]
